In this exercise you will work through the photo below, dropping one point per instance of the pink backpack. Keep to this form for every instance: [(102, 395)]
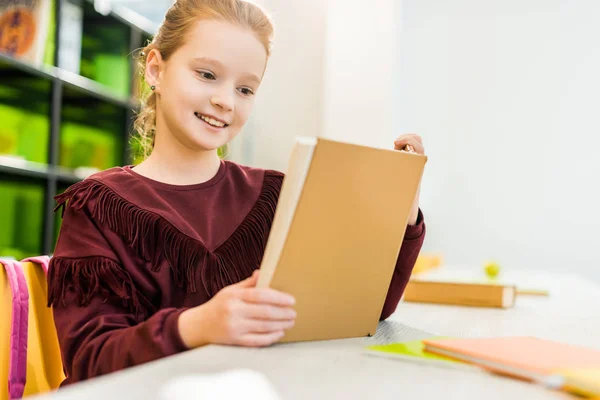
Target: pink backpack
[(17, 372)]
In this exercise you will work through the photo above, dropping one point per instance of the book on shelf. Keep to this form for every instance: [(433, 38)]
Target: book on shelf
[(25, 26)]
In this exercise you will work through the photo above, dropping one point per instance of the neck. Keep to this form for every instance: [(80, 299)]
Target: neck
[(173, 164)]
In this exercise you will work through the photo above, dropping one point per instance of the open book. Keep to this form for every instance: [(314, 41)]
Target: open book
[(339, 224)]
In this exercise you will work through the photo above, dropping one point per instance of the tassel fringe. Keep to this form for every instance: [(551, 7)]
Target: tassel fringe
[(243, 251), (90, 277), (156, 239)]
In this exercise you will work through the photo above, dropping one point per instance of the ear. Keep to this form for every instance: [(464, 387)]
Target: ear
[(154, 69)]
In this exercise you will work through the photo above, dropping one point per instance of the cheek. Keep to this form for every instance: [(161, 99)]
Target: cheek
[(243, 109), (181, 93)]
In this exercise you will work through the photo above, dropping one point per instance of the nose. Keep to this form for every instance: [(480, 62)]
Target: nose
[(223, 97)]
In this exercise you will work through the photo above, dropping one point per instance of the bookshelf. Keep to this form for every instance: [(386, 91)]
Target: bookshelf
[(73, 121)]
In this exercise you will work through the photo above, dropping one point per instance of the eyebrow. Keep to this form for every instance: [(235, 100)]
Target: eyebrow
[(219, 64)]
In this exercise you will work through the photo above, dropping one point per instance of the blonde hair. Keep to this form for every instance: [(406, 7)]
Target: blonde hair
[(171, 35)]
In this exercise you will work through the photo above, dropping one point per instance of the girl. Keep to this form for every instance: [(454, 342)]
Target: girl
[(159, 258)]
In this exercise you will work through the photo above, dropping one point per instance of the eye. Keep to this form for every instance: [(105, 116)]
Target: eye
[(206, 75), (246, 91)]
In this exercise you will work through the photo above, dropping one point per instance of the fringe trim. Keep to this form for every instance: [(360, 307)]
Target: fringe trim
[(243, 251), (155, 239), (90, 276)]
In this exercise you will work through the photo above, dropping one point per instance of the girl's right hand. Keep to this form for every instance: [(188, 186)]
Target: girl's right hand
[(239, 314)]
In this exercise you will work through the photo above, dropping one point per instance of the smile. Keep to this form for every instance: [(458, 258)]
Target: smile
[(211, 121)]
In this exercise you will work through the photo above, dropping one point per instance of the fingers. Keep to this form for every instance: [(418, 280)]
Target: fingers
[(248, 282), (410, 146), (402, 141), (266, 326), (268, 312), (267, 296), (411, 143), (263, 325), (412, 136), (418, 148), (260, 339)]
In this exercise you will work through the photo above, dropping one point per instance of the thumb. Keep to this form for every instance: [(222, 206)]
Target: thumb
[(249, 282)]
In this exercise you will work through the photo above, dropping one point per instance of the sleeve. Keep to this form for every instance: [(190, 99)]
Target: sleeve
[(411, 246), (100, 309)]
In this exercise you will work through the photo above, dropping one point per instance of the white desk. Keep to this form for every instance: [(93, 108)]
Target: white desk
[(340, 369), (570, 314)]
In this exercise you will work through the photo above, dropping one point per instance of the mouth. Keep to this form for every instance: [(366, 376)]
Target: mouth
[(211, 121)]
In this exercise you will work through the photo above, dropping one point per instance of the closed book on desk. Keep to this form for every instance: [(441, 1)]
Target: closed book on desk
[(528, 358), (337, 232), (460, 293)]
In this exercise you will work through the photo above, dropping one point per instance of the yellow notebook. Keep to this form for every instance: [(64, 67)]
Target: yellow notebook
[(414, 352), (339, 224), (581, 381)]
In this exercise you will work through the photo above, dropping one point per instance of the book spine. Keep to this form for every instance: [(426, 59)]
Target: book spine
[(459, 294)]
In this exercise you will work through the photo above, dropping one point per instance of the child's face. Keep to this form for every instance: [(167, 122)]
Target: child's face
[(212, 78)]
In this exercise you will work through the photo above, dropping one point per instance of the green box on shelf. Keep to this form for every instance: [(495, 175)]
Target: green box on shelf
[(113, 72), (9, 129), (24, 134), (34, 137), (105, 55), (21, 213), (86, 146), (8, 204)]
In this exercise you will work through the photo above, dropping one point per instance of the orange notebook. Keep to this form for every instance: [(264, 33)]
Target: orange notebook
[(527, 358)]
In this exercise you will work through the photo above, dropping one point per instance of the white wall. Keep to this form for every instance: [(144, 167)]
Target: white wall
[(506, 96), (504, 92), (330, 75), (360, 55), (289, 101)]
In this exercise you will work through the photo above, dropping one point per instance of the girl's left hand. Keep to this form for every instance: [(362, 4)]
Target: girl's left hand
[(410, 142)]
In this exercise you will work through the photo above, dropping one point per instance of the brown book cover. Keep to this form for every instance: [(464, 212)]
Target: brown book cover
[(460, 293), (337, 232)]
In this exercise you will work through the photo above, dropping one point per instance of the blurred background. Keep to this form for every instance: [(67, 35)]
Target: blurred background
[(505, 94)]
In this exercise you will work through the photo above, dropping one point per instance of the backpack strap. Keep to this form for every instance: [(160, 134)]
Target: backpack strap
[(17, 373), (43, 261)]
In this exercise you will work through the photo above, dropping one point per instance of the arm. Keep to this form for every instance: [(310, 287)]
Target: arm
[(100, 308), (411, 246), (413, 238)]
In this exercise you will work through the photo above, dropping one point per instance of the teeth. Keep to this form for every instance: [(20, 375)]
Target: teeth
[(212, 121)]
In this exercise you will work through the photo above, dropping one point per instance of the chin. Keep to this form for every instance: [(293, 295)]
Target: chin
[(207, 144)]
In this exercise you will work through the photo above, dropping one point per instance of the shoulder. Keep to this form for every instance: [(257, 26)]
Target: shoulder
[(248, 173), (91, 188), (267, 179)]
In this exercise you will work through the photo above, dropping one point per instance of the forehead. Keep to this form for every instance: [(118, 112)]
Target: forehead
[(235, 47)]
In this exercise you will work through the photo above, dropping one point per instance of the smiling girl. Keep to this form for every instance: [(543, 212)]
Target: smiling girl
[(159, 258)]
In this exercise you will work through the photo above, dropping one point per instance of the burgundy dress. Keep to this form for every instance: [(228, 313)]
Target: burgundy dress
[(134, 253)]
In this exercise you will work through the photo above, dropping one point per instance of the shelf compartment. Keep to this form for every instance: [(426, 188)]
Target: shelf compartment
[(21, 213)]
